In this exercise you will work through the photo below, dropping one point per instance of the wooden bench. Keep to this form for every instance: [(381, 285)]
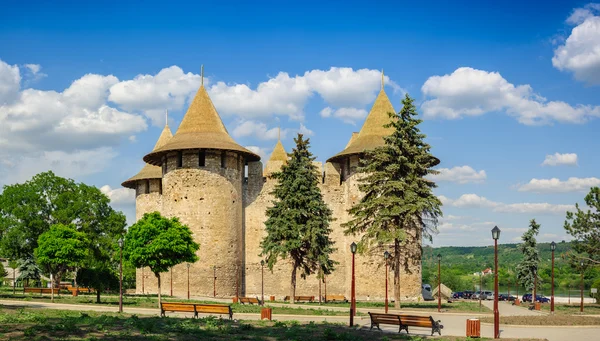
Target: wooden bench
[(335, 298), (300, 298), (250, 300), (40, 290), (80, 290), (404, 321), (179, 307), (220, 309)]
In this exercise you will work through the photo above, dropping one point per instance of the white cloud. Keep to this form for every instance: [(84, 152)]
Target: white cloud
[(580, 52), (472, 92), (555, 185), (170, 88), (257, 130), (262, 152), (33, 68), (347, 115), (10, 80), (305, 131), (560, 159), (460, 174), (476, 201), (119, 196)]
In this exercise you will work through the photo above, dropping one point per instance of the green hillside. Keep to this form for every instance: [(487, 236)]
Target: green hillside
[(460, 263)]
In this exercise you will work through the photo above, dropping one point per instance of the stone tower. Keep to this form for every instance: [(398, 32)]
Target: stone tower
[(202, 172)]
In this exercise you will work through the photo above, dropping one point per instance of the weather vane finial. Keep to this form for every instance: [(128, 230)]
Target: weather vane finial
[(166, 117), (202, 74), (382, 76), (279, 133)]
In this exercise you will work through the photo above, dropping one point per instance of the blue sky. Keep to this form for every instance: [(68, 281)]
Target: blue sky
[(508, 91)]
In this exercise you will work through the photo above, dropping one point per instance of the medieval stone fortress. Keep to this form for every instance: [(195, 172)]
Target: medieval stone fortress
[(221, 191)]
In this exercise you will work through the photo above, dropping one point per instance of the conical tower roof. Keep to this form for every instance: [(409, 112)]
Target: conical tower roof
[(150, 171), (372, 132), (201, 128)]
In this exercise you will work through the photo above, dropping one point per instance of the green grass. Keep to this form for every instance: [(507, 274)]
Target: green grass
[(46, 324), (573, 309), (457, 306)]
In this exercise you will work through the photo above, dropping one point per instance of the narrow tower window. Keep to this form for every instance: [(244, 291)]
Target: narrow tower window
[(147, 187), (179, 159), (160, 187), (348, 166), (223, 159), (202, 158), (164, 168)]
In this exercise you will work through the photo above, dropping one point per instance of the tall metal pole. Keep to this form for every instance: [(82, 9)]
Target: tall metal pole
[(552, 294), (480, 289), (325, 286), (353, 298), (581, 304), (143, 281), (439, 284), (188, 279), (386, 286), (121, 278), (496, 312), (171, 281), (262, 280), (214, 281)]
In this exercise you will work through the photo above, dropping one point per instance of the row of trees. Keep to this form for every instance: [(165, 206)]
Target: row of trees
[(398, 198)]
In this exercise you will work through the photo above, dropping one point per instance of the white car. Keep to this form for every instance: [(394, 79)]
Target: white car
[(489, 295)]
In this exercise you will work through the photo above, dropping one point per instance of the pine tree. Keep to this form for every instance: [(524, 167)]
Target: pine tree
[(527, 270), (398, 204), (584, 227), (298, 224)]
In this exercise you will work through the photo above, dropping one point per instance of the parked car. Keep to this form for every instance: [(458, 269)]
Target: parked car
[(479, 295), (457, 295), (538, 298), (488, 295), (467, 294), (426, 292), (506, 297)]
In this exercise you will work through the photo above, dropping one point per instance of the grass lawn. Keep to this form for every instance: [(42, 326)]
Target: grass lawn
[(46, 324), (573, 309), (550, 320), (152, 302), (456, 306)]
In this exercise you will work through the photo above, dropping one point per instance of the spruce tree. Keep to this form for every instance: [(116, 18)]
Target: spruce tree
[(527, 268), (398, 198), (297, 225)]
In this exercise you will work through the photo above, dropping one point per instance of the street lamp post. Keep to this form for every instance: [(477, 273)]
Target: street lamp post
[(439, 257), (386, 256), (214, 281), (496, 236), (188, 279), (552, 247), (353, 292), (143, 281), (171, 281), (581, 304), (121, 276), (262, 281), (534, 297)]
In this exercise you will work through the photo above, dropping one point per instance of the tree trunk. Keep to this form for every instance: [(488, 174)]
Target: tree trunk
[(293, 288), (97, 296), (14, 281), (397, 273), (159, 296), (51, 288)]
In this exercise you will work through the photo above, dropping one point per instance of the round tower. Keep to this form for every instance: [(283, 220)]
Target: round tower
[(148, 198), (203, 172)]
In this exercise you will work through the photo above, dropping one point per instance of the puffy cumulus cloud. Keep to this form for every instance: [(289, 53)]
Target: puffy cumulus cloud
[(557, 159), (119, 196), (580, 52), (257, 130), (476, 201), (472, 92), (170, 88), (75, 164), (264, 153), (555, 185), (10, 80), (348, 115), (460, 174)]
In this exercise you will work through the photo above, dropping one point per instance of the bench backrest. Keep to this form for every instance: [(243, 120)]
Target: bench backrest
[(213, 308), (335, 297), (305, 298), (249, 300), (416, 320), (177, 306), (385, 318)]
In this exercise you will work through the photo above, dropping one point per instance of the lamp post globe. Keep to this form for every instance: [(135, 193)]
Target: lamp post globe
[(353, 247)]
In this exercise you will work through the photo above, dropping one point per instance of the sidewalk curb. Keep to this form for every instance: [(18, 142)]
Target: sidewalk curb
[(537, 326)]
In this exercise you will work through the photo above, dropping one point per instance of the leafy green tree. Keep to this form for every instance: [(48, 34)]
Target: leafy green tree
[(398, 204), (584, 226), (3, 273), (60, 249), (159, 243), (13, 264), (28, 270), (527, 270), (28, 210), (297, 225), (99, 278)]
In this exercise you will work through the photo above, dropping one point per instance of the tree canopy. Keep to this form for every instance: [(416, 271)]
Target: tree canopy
[(584, 227), (398, 201), (159, 243), (28, 210), (28, 270), (297, 225), (527, 270)]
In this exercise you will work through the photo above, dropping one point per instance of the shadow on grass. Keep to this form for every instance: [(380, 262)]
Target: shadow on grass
[(17, 323)]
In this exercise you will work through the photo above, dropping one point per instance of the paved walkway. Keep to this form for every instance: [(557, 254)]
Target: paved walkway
[(507, 309), (454, 324)]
